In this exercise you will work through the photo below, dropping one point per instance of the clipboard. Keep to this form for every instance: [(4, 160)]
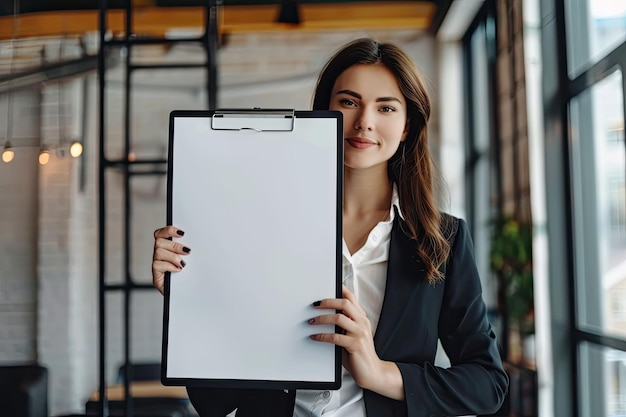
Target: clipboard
[(259, 194)]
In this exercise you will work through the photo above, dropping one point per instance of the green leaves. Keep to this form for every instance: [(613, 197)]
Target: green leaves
[(511, 260)]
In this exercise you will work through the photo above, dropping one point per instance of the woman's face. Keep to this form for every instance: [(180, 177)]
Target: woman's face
[(374, 114)]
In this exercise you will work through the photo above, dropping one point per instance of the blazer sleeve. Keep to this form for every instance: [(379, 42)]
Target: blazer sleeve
[(475, 383)]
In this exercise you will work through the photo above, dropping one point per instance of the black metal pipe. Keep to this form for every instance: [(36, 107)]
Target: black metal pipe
[(102, 399), (211, 44), (49, 72), (83, 133), (146, 173), (128, 401), (126, 287), (166, 66), (121, 162), (154, 41)]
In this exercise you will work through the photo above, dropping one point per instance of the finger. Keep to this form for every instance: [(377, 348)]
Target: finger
[(159, 269), (164, 255), (343, 304), (167, 232), (349, 295), (341, 320), (171, 246), (159, 284), (162, 267), (334, 338)]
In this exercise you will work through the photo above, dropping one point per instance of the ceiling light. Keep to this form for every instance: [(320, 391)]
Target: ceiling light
[(7, 153), (76, 149), (44, 156), (289, 12)]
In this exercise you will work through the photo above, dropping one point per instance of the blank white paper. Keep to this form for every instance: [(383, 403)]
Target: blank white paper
[(259, 211)]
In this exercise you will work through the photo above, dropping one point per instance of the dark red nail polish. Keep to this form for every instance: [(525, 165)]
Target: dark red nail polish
[(186, 249), (180, 233), (183, 263), (311, 321), (317, 303)]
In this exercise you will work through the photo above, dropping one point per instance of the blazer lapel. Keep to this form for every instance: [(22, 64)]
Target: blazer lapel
[(404, 276)]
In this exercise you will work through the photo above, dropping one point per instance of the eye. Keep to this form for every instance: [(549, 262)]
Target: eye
[(347, 102), (387, 109)]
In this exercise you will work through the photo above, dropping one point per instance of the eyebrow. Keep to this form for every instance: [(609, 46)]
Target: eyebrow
[(357, 95)]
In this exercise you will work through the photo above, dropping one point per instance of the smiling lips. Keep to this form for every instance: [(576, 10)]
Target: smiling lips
[(360, 143)]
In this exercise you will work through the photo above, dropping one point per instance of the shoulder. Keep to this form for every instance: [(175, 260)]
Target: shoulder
[(458, 235), (456, 232), (449, 226)]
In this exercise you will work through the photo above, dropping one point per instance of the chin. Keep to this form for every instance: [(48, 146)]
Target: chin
[(358, 165)]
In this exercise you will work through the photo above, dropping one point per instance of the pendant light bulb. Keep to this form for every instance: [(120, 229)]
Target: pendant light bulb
[(8, 154), (44, 156), (76, 149)]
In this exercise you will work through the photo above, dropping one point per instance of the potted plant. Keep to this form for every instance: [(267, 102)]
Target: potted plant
[(511, 261)]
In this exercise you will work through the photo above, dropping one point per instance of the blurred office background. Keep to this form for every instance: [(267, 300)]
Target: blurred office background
[(527, 129)]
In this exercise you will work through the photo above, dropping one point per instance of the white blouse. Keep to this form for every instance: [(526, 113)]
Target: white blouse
[(365, 273)]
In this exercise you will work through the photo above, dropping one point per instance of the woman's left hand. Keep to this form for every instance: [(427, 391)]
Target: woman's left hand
[(359, 355)]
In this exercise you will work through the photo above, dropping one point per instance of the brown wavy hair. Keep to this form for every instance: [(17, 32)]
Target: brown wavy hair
[(411, 168)]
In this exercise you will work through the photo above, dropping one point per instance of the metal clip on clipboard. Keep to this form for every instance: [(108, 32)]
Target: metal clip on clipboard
[(259, 120)]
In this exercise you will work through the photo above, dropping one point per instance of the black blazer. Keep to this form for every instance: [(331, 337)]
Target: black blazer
[(415, 314)]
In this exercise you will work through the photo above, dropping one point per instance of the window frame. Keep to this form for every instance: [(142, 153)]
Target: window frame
[(559, 90)]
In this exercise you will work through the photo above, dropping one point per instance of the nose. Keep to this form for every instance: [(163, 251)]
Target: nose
[(364, 121)]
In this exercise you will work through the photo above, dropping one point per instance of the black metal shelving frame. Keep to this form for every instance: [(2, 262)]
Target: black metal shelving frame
[(129, 41)]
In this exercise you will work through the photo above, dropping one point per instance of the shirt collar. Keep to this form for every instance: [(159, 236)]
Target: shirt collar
[(395, 201)]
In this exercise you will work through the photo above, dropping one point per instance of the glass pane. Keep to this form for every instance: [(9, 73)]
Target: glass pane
[(598, 168), (480, 151), (594, 28), (480, 85), (603, 381)]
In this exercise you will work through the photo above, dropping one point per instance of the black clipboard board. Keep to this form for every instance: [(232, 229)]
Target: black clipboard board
[(259, 194)]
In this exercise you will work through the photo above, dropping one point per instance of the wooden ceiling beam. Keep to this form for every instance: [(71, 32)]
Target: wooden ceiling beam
[(156, 21)]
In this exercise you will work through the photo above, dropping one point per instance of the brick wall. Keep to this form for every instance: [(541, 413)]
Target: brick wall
[(67, 252), (513, 132), (512, 118), (18, 214)]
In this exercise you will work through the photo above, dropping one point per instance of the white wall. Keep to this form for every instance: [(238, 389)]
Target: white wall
[(19, 233), (452, 134), (67, 262)]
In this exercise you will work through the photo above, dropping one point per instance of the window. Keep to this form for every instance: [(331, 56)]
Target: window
[(604, 382), (481, 180), (592, 267), (596, 27), (598, 173), (618, 305)]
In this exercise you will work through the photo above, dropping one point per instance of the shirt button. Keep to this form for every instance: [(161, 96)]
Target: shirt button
[(326, 394), (374, 238)]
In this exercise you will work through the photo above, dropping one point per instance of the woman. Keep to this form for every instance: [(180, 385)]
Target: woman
[(409, 273)]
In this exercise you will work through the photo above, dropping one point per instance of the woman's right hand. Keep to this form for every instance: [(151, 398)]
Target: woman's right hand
[(167, 255)]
